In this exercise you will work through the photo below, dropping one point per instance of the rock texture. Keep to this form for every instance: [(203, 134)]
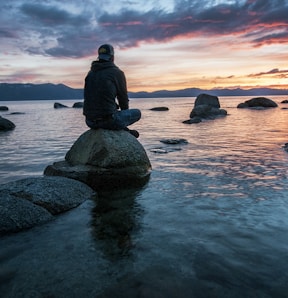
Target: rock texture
[(258, 102), (29, 202), (6, 124), (104, 159), (205, 107)]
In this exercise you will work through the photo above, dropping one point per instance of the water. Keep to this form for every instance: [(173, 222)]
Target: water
[(211, 222)]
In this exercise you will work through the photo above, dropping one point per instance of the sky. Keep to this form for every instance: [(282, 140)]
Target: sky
[(160, 45)]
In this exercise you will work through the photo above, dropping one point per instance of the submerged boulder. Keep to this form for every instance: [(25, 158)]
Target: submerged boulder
[(104, 159), (6, 124), (29, 202), (258, 102), (205, 107)]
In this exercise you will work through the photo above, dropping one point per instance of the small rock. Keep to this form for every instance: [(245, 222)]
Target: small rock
[(78, 105), (174, 141), (58, 105), (160, 109), (193, 120)]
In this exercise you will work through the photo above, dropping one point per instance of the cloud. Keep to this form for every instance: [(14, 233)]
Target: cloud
[(75, 29), (51, 15), (271, 72)]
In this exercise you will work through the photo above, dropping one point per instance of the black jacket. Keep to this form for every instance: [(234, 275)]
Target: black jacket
[(103, 84)]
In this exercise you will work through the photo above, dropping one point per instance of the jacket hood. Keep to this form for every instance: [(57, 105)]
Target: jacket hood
[(97, 65)]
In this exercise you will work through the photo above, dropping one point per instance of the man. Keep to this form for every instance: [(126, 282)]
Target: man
[(105, 83)]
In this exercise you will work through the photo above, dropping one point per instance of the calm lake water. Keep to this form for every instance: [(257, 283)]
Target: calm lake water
[(211, 222)]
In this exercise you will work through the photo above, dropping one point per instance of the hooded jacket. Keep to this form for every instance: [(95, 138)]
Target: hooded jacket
[(103, 84)]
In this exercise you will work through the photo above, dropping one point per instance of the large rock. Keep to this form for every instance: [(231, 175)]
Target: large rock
[(104, 159), (6, 124), (29, 202), (205, 107), (207, 99), (258, 102)]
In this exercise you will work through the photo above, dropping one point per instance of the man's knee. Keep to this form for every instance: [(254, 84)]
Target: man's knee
[(137, 114)]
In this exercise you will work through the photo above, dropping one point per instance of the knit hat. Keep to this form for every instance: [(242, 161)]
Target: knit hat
[(105, 52)]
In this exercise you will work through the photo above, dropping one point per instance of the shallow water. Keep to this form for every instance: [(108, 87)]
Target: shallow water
[(211, 222)]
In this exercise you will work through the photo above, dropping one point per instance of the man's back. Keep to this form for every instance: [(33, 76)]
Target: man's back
[(104, 82)]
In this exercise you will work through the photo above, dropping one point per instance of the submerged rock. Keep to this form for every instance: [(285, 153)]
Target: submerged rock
[(258, 102), (29, 202), (174, 141), (6, 124), (104, 159)]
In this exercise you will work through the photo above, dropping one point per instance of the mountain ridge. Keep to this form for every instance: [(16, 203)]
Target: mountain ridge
[(48, 91)]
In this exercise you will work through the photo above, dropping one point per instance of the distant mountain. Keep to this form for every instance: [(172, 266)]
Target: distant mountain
[(56, 92), (193, 92), (38, 92)]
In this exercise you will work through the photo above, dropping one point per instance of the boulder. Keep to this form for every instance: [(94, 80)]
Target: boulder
[(207, 112), (29, 202), (104, 159), (258, 102), (205, 107), (6, 124), (207, 99), (284, 101), (4, 108)]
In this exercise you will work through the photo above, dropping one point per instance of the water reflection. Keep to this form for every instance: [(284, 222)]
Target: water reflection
[(114, 220)]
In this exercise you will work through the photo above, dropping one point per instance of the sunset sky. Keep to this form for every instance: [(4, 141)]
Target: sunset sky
[(161, 44)]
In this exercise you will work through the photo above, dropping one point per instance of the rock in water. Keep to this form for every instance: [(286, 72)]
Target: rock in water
[(207, 99), (257, 102), (29, 202), (104, 159), (6, 124), (205, 107)]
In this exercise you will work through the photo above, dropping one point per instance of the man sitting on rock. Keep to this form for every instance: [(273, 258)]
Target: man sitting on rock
[(103, 84)]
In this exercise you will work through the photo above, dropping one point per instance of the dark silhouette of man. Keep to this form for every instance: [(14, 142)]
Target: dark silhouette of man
[(106, 103)]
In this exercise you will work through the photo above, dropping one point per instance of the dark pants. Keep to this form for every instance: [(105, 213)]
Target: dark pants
[(119, 120)]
